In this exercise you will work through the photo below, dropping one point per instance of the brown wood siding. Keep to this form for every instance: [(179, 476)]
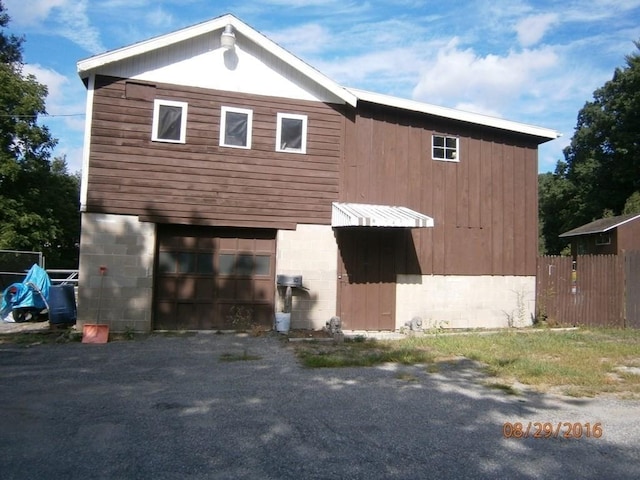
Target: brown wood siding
[(484, 206), (593, 295), (531, 205), (591, 244), (200, 182), (628, 236)]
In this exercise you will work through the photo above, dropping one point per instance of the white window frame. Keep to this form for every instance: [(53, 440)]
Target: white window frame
[(456, 150), (223, 125), (157, 103), (303, 143)]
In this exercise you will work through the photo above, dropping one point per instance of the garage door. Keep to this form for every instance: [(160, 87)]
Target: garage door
[(210, 279)]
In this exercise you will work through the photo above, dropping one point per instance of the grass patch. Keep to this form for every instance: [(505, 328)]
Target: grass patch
[(406, 376), (30, 339), (508, 389), (359, 352), (580, 363)]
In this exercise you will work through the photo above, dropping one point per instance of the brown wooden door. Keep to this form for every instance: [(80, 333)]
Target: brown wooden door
[(214, 278), (367, 278)]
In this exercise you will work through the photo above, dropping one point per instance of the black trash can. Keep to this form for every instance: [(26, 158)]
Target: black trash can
[(62, 305)]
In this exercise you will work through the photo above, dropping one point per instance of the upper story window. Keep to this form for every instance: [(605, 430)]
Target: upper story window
[(291, 133), (235, 127), (169, 121), (445, 148)]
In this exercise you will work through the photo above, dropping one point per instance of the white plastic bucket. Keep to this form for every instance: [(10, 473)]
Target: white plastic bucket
[(283, 322)]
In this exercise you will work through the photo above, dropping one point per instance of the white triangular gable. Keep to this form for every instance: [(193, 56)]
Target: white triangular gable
[(194, 57)]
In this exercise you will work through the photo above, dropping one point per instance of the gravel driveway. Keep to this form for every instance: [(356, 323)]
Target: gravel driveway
[(168, 407)]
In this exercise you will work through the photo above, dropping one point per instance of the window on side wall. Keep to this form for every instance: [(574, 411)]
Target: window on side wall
[(445, 148), (235, 127), (169, 121), (291, 133)]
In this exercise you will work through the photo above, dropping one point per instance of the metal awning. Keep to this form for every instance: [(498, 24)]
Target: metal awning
[(364, 215)]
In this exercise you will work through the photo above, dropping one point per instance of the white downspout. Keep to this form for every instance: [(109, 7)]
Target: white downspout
[(86, 150)]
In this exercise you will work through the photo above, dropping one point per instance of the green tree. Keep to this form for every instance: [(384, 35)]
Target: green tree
[(632, 205), (554, 191), (35, 194), (601, 170)]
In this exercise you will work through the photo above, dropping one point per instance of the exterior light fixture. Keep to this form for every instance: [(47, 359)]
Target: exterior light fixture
[(228, 38)]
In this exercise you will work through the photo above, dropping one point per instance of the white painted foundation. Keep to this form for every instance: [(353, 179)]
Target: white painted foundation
[(123, 297), (465, 301), (310, 251)]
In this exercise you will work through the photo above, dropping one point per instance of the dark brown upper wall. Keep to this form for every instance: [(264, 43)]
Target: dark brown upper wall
[(200, 182), (484, 206), (593, 244), (629, 236)]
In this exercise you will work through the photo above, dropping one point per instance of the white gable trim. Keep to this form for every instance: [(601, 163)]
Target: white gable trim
[(86, 150), (97, 61)]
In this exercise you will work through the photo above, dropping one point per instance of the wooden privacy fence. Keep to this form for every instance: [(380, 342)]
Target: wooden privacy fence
[(595, 290)]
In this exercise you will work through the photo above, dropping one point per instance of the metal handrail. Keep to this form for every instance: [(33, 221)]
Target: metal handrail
[(71, 276)]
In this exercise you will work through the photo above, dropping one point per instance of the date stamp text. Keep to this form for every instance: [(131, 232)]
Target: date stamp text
[(551, 430)]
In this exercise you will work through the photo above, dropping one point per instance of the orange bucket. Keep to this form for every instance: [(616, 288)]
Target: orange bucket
[(95, 333)]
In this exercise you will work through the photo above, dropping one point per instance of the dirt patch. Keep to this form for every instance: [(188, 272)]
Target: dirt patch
[(19, 327), (308, 334)]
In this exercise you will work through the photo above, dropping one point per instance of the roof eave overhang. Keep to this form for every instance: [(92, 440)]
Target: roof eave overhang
[(542, 134), (576, 232), (582, 234), (87, 66)]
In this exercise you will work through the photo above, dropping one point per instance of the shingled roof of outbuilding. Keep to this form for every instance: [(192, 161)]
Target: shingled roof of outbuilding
[(602, 225)]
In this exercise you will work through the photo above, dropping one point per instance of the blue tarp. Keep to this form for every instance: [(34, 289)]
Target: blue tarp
[(33, 293)]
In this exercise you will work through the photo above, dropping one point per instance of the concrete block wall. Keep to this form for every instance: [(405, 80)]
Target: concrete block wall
[(465, 301), (310, 251), (122, 297)]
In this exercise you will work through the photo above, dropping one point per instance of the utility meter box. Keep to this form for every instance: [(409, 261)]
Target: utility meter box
[(289, 280)]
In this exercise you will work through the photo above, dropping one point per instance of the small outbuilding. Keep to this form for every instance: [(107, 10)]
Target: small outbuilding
[(606, 236)]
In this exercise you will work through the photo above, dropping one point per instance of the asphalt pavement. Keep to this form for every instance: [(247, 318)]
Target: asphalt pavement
[(171, 407)]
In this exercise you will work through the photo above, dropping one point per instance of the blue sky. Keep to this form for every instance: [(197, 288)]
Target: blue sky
[(534, 62)]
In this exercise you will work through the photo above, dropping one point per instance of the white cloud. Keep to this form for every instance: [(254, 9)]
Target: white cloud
[(120, 4), (490, 82), (384, 56), (66, 18), (301, 3), (330, 6), (392, 71), (76, 26), (308, 38), (477, 108), (531, 29), (25, 14), (598, 10), (159, 18)]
